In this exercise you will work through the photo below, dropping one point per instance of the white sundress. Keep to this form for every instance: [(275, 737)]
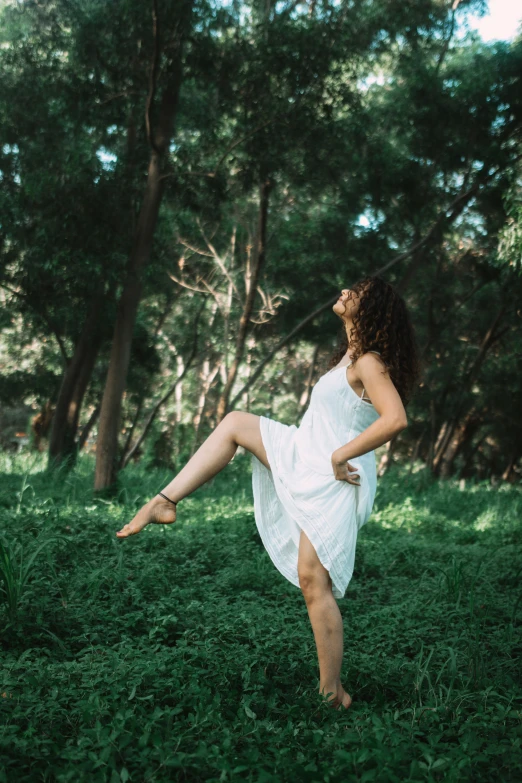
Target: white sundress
[(300, 491)]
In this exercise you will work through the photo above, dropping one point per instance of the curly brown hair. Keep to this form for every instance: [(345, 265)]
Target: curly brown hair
[(382, 323)]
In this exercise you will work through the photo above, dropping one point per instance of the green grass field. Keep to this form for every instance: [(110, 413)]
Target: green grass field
[(183, 654)]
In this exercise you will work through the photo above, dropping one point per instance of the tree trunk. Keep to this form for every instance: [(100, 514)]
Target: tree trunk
[(110, 414), (68, 407), (246, 395), (416, 449), (139, 406), (152, 415), (448, 428), (252, 280), (130, 433), (71, 445), (461, 435), (387, 458), (207, 376), (305, 396), (74, 384), (86, 431), (41, 423), (178, 396), (508, 473)]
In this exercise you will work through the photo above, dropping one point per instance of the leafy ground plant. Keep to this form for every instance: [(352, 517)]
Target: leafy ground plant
[(15, 570), (183, 654)]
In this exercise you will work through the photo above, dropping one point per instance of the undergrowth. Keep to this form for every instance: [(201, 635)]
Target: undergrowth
[(183, 654)]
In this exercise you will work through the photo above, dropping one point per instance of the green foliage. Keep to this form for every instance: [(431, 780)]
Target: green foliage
[(14, 572), (510, 238), (182, 654)]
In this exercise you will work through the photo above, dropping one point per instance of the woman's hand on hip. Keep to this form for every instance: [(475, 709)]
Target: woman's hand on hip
[(345, 471)]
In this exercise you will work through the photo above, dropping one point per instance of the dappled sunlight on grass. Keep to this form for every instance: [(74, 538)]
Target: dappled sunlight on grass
[(487, 519)]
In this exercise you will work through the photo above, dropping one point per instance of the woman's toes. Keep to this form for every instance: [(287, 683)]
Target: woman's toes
[(347, 700), (131, 528), (158, 512)]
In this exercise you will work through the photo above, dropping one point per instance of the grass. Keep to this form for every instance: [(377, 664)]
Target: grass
[(183, 654)]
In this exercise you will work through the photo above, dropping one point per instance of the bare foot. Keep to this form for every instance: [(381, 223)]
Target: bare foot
[(340, 699), (156, 511), (346, 699)]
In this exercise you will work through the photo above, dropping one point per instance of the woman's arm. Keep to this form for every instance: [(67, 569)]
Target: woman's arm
[(388, 404)]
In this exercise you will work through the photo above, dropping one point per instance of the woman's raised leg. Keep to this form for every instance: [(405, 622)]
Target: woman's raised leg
[(236, 429)]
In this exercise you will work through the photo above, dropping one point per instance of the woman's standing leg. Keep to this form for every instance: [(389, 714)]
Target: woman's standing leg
[(326, 620), (236, 429)]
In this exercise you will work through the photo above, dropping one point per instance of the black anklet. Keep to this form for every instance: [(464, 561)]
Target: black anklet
[(166, 498)]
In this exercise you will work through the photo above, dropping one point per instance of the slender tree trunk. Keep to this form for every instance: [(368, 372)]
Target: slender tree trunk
[(71, 446), (416, 450), (305, 396), (252, 280), (41, 424), (74, 383), (462, 433), (132, 429), (139, 406), (246, 395), (87, 429), (207, 376), (204, 374), (508, 474), (110, 414), (178, 396), (448, 428), (432, 436), (109, 426), (70, 398), (153, 413), (414, 265), (387, 458)]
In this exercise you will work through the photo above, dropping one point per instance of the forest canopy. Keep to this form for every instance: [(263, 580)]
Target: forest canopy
[(186, 186)]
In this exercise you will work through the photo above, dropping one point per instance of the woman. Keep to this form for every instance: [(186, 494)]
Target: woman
[(310, 496)]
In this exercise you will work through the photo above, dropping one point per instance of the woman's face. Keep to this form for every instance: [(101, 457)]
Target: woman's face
[(347, 304)]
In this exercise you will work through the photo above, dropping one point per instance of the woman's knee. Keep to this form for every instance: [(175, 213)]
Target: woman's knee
[(234, 417), (314, 582), (233, 421), (244, 429)]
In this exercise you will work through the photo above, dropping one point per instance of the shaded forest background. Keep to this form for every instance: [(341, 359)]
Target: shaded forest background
[(186, 186)]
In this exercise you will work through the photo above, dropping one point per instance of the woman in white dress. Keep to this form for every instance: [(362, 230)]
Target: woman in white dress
[(314, 485)]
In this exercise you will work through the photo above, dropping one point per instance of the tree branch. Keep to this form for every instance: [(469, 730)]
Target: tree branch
[(218, 259), (45, 318), (401, 257), (447, 42), (153, 74)]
